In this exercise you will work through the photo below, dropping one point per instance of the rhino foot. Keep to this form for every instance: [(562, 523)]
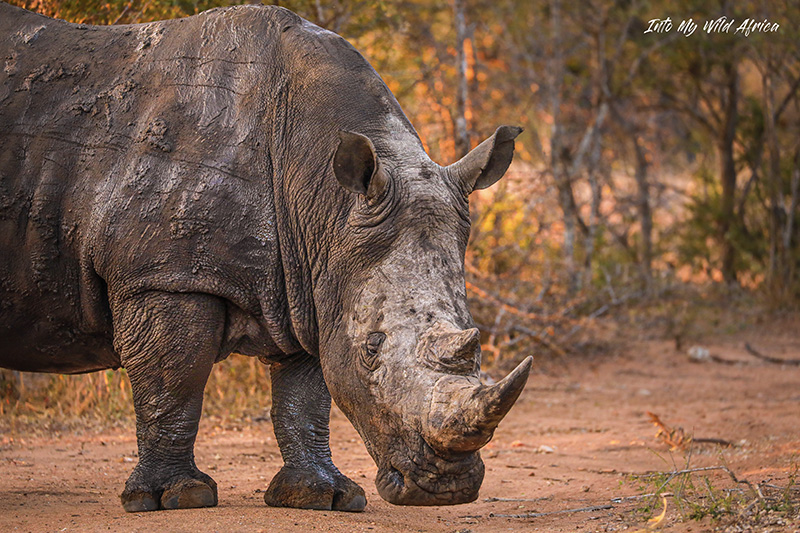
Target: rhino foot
[(189, 493), (139, 501), (177, 493), (314, 489)]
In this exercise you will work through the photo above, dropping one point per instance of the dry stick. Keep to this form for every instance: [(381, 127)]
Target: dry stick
[(778, 487), (621, 499), (562, 511), (722, 360), (777, 360), (721, 442), (544, 498)]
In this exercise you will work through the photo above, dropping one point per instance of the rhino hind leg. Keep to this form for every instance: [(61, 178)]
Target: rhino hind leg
[(168, 343), (301, 407)]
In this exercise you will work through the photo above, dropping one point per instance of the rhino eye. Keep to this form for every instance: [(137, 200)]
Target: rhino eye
[(370, 354)]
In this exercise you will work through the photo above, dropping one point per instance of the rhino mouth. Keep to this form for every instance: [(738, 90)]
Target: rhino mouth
[(431, 479)]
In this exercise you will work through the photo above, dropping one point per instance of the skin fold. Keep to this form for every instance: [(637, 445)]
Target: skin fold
[(242, 181)]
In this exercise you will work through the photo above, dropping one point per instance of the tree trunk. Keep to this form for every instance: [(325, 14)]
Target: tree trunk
[(728, 177), (644, 211), (773, 182), (788, 231), (460, 129), (560, 175), (594, 214)]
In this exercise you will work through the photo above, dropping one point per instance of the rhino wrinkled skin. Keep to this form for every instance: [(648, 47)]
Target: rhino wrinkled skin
[(242, 181)]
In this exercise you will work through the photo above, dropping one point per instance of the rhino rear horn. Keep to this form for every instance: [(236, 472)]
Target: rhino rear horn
[(487, 162), (357, 167), (458, 351)]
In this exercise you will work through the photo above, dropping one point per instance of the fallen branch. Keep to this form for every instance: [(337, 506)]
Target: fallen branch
[(561, 511), (777, 360)]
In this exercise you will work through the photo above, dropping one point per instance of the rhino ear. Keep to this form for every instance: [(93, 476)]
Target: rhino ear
[(357, 167), (488, 161)]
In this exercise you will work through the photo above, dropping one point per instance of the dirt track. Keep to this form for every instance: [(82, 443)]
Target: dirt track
[(572, 441)]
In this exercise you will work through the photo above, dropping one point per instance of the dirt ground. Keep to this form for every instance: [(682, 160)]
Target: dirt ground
[(573, 441)]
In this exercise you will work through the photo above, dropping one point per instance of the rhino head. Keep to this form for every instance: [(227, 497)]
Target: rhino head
[(403, 360)]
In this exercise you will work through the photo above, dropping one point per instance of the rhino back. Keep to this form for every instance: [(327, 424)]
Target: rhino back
[(133, 158), (190, 155)]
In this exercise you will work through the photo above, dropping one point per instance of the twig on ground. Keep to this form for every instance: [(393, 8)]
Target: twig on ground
[(778, 487), (542, 499), (561, 511), (721, 360), (721, 442), (622, 499), (777, 360)]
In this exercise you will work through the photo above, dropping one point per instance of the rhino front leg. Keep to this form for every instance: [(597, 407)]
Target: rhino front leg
[(301, 406), (168, 343)]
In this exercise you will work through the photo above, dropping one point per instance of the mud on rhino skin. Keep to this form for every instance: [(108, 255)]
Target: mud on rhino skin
[(243, 181)]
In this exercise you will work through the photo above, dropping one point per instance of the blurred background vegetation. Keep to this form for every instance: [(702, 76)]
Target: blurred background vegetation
[(655, 190)]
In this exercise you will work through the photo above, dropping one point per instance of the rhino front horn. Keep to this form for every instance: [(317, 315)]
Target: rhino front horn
[(493, 403), (480, 410)]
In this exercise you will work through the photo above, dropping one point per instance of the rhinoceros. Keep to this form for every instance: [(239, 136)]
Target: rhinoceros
[(242, 181)]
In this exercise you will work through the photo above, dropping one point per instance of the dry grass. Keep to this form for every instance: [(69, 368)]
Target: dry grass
[(725, 503), (238, 388)]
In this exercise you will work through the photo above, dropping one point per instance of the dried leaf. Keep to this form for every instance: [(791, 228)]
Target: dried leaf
[(660, 518), (675, 438)]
